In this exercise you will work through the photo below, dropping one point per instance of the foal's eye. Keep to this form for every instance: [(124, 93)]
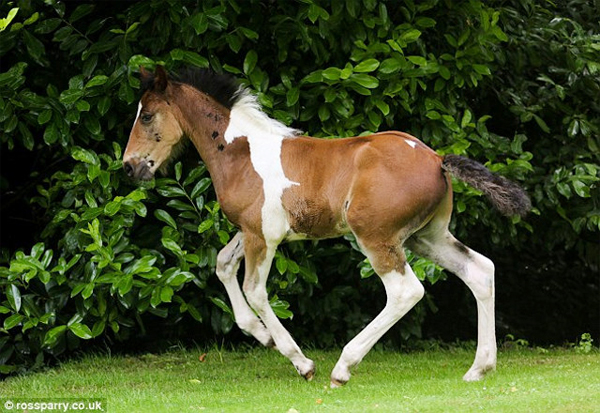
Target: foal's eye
[(146, 117)]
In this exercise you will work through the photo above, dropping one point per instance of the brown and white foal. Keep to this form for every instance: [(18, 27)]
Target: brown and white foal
[(388, 189)]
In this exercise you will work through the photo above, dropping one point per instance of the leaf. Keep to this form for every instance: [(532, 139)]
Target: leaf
[(51, 134), (368, 65), (332, 73), (180, 277), (180, 205), (222, 305), (112, 208), (292, 96), (250, 61), (6, 21), (125, 284), (98, 80), (367, 81), (541, 123), (482, 69), (98, 328), (81, 11), (13, 321), (425, 22), (383, 107), (410, 35), (82, 106), (165, 217), (573, 129), (418, 60), (200, 187), (81, 330), (166, 293), (466, 119), (280, 308), (44, 117), (205, 226), (35, 48), (104, 105), (200, 23), (141, 265), (391, 65), (195, 59), (14, 297), (172, 246), (308, 275), (171, 191), (581, 189), (84, 155), (53, 334), (281, 264), (70, 96)]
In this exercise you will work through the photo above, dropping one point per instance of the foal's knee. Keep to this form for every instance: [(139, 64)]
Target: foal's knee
[(227, 266), (257, 297), (403, 289)]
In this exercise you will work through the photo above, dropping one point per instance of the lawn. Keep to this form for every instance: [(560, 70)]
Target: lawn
[(261, 380)]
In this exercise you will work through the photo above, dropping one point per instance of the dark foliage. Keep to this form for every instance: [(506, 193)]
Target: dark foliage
[(88, 257)]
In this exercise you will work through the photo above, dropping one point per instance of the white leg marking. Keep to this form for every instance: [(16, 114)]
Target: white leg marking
[(258, 299), (477, 272), (228, 263), (479, 277), (403, 292)]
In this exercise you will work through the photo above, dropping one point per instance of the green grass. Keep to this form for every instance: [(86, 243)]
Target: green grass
[(261, 380)]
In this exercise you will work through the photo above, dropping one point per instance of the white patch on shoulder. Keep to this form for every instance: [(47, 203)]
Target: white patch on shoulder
[(265, 137), (413, 144)]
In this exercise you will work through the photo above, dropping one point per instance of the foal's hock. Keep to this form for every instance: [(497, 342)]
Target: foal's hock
[(388, 189)]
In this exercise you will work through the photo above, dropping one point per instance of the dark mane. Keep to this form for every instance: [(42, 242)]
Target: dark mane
[(221, 87)]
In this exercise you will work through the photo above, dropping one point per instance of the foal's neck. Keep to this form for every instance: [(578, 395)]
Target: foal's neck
[(205, 121)]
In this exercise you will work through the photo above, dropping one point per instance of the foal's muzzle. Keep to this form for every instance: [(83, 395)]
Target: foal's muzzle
[(138, 169)]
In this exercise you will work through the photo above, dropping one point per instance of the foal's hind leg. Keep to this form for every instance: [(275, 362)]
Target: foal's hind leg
[(403, 291), (228, 263), (477, 272)]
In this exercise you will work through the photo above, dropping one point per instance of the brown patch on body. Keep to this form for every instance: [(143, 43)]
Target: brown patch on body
[(376, 186)]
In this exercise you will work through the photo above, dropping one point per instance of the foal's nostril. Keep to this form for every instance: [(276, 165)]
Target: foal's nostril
[(128, 169)]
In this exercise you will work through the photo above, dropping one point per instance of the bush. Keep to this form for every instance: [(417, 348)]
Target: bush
[(110, 259)]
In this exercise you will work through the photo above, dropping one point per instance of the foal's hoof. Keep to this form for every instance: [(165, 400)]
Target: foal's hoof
[(340, 375), (307, 371), (477, 374), (336, 383), (310, 375)]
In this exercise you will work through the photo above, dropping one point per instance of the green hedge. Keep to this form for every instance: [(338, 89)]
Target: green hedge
[(110, 259)]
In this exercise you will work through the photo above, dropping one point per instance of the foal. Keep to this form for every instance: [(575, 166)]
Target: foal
[(388, 189)]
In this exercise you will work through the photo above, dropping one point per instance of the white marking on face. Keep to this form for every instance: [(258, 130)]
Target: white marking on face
[(126, 154), (411, 143), (138, 113), (265, 137)]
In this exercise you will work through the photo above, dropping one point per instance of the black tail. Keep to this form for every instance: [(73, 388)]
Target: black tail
[(508, 197)]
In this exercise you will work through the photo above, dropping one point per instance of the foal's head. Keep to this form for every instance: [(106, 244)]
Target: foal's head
[(157, 129)]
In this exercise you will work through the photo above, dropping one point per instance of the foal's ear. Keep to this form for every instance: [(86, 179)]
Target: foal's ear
[(146, 78), (156, 82), (160, 79)]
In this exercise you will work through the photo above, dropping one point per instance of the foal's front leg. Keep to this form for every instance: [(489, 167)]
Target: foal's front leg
[(259, 257), (228, 263)]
